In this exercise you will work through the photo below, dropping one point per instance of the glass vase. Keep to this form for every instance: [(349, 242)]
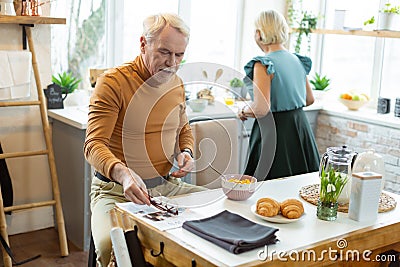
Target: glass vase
[(327, 210)]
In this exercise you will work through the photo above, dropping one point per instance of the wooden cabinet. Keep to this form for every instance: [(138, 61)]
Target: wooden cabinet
[(75, 177)]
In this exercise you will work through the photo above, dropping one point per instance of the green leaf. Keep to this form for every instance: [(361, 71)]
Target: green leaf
[(67, 82), (307, 23), (370, 21), (236, 82), (336, 178), (320, 83), (389, 9)]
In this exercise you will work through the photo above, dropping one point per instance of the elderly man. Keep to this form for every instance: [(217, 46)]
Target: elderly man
[(137, 127)]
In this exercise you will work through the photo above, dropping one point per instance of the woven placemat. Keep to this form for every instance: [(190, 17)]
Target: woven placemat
[(310, 193)]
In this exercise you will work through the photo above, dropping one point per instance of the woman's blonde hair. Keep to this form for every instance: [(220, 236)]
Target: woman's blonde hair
[(154, 24), (273, 27)]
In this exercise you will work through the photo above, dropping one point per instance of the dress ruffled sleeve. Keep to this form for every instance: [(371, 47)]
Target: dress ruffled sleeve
[(249, 70), (306, 61), (249, 67)]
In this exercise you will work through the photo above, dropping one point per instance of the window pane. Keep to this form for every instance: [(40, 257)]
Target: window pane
[(354, 14), (390, 86), (78, 45), (213, 31), (134, 14), (348, 61)]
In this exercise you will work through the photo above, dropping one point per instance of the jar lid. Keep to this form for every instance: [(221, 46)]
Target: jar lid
[(367, 175), (342, 153)]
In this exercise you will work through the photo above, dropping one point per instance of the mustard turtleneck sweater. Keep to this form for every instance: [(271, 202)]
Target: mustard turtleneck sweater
[(131, 122)]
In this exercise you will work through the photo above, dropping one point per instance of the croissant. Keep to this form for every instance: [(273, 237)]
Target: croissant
[(267, 207), (292, 208)]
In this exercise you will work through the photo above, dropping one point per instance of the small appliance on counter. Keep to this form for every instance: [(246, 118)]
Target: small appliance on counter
[(383, 105)]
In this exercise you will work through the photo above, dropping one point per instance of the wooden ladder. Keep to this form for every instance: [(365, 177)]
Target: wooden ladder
[(56, 201)]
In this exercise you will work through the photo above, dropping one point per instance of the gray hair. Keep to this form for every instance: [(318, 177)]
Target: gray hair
[(273, 27), (154, 24)]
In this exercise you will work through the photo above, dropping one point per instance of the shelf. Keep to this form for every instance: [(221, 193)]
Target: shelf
[(383, 34), (31, 20)]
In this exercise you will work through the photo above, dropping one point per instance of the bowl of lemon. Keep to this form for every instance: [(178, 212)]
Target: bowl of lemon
[(353, 101)]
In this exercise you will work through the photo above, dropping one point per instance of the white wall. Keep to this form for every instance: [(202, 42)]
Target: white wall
[(20, 130)]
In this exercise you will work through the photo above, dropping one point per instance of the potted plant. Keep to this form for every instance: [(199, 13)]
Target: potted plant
[(388, 19), (307, 23), (332, 185), (67, 82), (238, 88), (320, 85)]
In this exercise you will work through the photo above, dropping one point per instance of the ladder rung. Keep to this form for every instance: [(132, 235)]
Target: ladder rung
[(19, 103), (23, 154), (30, 205)]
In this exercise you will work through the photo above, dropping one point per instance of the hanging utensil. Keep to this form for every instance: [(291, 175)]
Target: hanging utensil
[(205, 75), (218, 75)]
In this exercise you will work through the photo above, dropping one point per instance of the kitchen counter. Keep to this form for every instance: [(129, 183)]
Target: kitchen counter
[(365, 114), (77, 116)]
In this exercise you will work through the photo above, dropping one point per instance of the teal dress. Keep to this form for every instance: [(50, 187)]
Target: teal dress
[(282, 142)]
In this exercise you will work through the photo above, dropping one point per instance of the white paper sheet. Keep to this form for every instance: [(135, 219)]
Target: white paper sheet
[(157, 218)]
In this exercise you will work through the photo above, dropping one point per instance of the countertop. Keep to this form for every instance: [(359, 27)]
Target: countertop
[(77, 116), (364, 114)]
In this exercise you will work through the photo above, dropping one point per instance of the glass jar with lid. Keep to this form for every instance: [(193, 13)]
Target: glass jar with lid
[(340, 160)]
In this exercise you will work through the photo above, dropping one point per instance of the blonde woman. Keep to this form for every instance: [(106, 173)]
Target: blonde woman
[(281, 142)]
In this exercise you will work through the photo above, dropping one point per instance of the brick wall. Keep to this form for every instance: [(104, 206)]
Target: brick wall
[(360, 136)]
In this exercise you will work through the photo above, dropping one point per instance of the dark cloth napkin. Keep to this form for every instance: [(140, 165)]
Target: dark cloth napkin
[(232, 232)]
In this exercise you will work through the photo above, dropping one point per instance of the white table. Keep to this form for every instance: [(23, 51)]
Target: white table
[(309, 234)]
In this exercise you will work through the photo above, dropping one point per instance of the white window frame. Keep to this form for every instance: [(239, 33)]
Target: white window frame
[(377, 65), (115, 20)]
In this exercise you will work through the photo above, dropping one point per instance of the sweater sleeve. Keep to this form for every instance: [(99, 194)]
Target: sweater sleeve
[(103, 110), (186, 139)]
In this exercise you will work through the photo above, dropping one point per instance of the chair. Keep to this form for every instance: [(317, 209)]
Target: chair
[(216, 144), (92, 253)]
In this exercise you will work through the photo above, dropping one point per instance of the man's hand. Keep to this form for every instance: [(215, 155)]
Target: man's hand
[(134, 188), (185, 164)]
